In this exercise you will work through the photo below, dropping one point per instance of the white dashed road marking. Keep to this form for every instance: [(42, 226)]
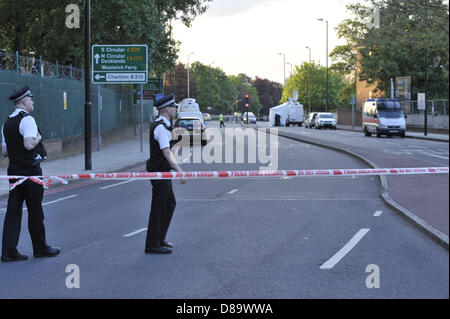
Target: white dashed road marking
[(47, 203), (114, 185), (330, 263), (135, 232), (378, 213)]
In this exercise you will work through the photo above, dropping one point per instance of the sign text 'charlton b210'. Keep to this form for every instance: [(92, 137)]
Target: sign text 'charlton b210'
[(119, 64)]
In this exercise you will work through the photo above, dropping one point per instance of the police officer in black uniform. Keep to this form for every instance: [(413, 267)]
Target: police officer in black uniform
[(21, 142), (161, 160)]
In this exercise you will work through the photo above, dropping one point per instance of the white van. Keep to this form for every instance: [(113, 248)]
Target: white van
[(189, 107), (383, 117)]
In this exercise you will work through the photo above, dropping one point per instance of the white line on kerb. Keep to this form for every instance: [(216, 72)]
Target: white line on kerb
[(48, 203), (233, 191), (135, 232), (378, 213), (330, 263), (114, 185)]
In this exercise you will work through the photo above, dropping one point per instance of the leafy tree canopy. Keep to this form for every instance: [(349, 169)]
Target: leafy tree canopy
[(38, 27), (407, 30), (214, 88), (300, 81), (243, 85), (269, 93)]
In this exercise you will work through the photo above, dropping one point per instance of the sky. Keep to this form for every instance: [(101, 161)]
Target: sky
[(246, 36)]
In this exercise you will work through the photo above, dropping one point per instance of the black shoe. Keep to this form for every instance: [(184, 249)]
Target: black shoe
[(158, 250), (49, 251), (14, 257), (166, 244)]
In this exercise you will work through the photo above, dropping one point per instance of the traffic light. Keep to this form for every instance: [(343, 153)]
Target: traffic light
[(247, 97)]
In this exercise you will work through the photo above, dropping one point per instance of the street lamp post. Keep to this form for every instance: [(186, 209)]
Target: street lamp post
[(290, 64), (309, 84), (188, 95), (87, 87), (284, 67), (327, 96)]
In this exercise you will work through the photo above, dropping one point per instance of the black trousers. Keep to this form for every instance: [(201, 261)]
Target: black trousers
[(32, 194), (163, 206)]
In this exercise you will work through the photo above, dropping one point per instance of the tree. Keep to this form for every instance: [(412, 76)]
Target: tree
[(243, 86), (300, 80), (269, 93), (38, 27), (214, 88), (353, 31), (176, 83), (397, 48), (344, 56)]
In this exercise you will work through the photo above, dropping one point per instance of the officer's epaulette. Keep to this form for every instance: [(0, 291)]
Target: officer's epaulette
[(170, 129)]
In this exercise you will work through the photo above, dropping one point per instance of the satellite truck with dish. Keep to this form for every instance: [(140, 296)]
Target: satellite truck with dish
[(290, 112)]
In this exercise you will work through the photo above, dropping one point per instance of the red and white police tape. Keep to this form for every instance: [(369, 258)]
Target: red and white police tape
[(46, 181)]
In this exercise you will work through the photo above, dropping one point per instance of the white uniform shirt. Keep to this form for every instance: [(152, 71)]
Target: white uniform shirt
[(161, 134), (27, 126)]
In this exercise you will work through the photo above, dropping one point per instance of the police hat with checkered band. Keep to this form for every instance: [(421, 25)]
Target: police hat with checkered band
[(19, 95), (165, 101)]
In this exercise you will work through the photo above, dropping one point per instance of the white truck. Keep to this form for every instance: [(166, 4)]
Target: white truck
[(287, 113), (189, 108)]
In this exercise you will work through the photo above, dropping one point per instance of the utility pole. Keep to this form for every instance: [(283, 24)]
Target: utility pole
[(284, 67), (426, 81), (188, 93), (309, 83), (426, 92), (327, 95), (87, 88)]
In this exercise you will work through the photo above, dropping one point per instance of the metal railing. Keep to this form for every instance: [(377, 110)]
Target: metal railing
[(434, 107), (37, 66)]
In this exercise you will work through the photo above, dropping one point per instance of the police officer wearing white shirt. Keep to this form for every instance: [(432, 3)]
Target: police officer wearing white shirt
[(21, 142), (161, 160)]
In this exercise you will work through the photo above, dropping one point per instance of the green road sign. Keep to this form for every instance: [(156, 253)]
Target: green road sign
[(153, 84), (119, 64)]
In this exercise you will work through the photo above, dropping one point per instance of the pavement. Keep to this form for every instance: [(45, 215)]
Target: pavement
[(422, 199), (410, 134)]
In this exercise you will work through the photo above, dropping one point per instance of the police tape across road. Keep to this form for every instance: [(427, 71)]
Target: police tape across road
[(46, 181)]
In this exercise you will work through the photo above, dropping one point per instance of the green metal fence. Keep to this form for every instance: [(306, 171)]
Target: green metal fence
[(59, 98)]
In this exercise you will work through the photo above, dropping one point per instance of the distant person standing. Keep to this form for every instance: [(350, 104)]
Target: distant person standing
[(222, 124), (21, 142), (161, 160)]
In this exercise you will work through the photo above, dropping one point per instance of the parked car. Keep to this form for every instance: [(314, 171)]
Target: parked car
[(193, 128), (311, 120), (206, 117), (251, 117), (325, 120)]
